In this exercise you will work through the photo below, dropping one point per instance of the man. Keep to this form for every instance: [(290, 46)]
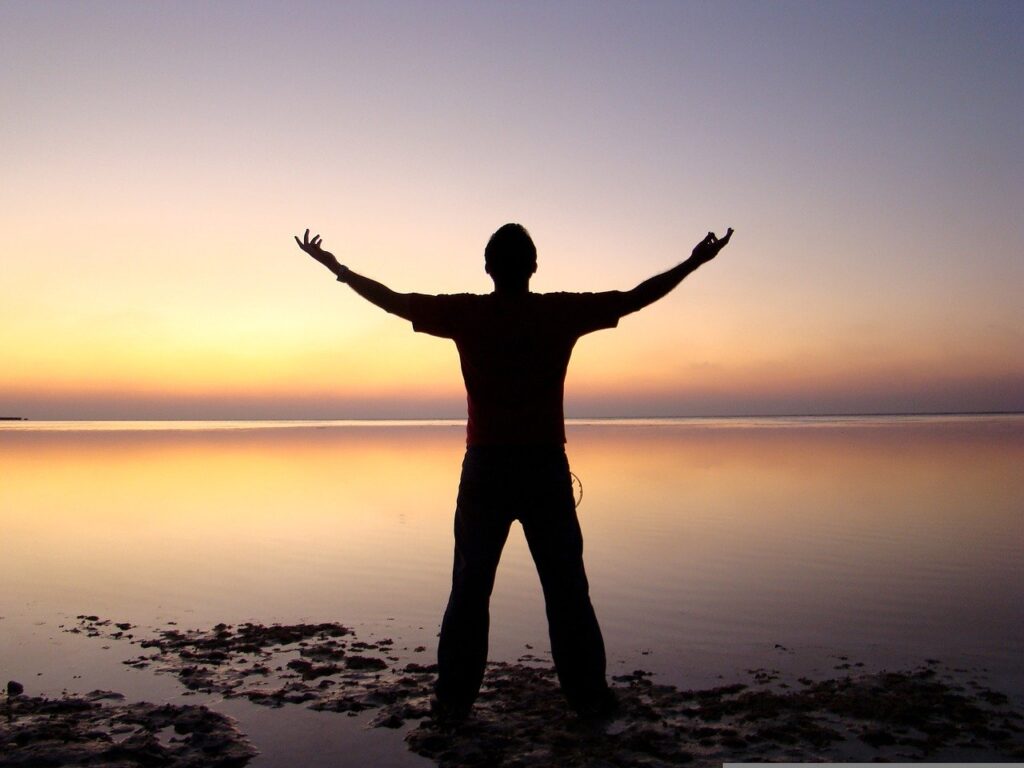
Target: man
[(514, 348)]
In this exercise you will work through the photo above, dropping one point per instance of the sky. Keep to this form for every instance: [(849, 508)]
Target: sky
[(158, 158)]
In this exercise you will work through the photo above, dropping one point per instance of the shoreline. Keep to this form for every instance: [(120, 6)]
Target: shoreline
[(929, 712)]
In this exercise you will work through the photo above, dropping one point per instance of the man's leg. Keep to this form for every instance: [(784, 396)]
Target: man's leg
[(556, 543), (480, 533)]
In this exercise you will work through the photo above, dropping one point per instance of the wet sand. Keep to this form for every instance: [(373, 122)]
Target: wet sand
[(928, 713)]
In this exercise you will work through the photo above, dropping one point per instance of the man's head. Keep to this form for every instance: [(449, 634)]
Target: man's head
[(510, 257)]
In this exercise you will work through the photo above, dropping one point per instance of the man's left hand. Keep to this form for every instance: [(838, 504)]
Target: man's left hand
[(709, 247)]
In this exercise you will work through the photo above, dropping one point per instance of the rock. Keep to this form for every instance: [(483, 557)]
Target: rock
[(365, 662), (387, 720), (76, 731)]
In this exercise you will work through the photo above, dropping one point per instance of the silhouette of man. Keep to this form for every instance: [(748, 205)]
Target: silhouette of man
[(514, 348)]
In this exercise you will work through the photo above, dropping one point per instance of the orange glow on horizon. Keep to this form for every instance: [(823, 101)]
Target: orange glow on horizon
[(343, 351)]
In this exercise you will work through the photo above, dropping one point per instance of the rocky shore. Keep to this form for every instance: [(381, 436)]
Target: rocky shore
[(929, 713), (100, 728)]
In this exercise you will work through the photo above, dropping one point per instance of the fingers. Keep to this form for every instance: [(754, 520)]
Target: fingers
[(718, 242), (709, 247), (309, 244)]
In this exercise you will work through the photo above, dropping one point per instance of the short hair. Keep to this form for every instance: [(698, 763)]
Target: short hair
[(510, 253)]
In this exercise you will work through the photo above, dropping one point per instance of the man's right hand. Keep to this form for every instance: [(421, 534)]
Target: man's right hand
[(709, 247), (313, 248)]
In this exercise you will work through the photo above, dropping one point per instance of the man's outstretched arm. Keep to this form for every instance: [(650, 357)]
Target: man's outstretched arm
[(652, 289), (371, 290)]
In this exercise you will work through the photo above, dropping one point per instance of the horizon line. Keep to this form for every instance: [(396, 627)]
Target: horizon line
[(848, 414)]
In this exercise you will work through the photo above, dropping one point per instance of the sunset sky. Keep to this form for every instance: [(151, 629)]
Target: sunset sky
[(158, 157)]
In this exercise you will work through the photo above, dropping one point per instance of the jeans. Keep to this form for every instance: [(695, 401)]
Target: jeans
[(532, 484)]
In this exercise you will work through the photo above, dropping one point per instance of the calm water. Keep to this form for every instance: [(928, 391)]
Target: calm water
[(708, 542)]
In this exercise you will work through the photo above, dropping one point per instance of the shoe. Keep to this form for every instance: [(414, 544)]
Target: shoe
[(447, 714), (602, 706)]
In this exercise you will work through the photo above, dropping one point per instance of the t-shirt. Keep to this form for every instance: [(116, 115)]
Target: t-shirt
[(514, 353)]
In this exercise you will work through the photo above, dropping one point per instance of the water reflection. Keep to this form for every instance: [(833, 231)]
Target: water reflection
[(699, 538)]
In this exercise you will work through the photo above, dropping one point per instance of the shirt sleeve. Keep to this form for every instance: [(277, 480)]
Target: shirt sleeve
[(436, 315), (589, 312)]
